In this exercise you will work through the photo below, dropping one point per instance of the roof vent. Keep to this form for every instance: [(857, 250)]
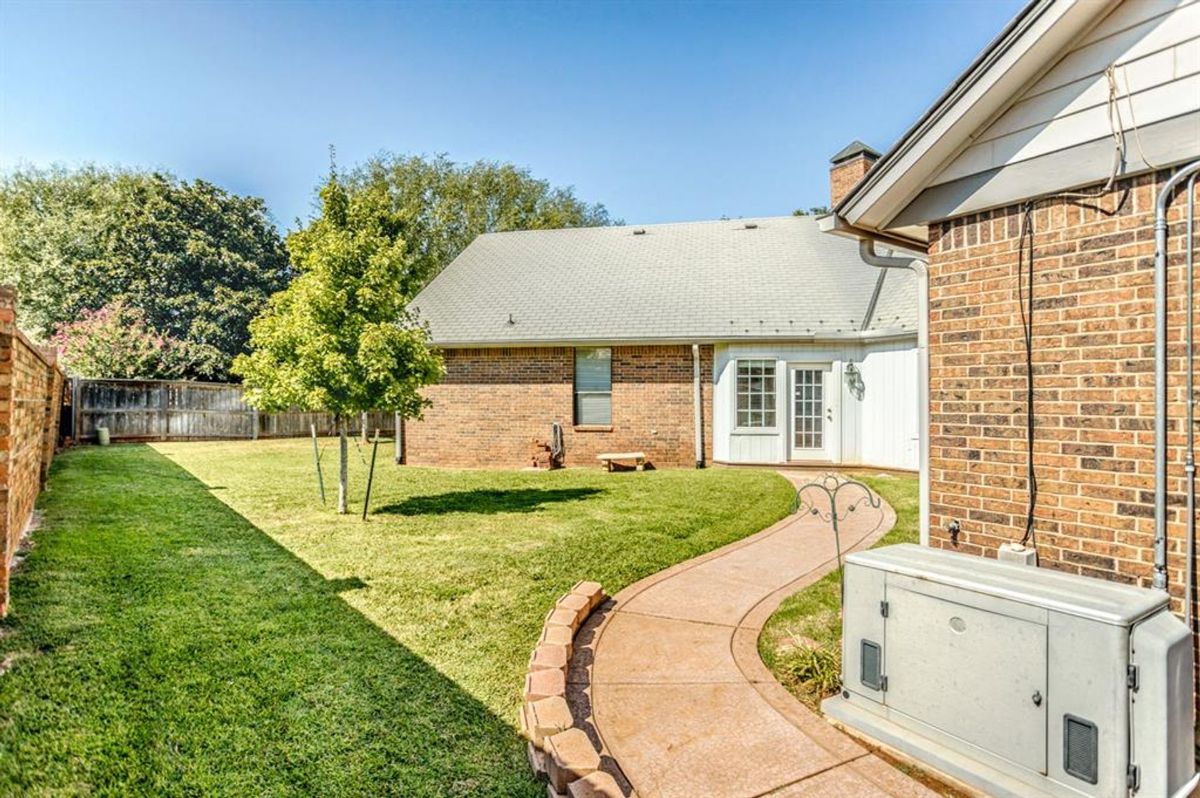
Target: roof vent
[(641, 231), (751, 226)]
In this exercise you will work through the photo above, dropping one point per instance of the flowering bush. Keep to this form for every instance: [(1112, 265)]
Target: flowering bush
[(116, 341)]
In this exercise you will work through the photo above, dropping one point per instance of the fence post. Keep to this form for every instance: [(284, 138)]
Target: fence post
[(164, 415), (254, 423), (76, 409)]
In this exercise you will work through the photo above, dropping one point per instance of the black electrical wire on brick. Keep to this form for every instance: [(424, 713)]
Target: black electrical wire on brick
[(1024, 297), (1025, 252)]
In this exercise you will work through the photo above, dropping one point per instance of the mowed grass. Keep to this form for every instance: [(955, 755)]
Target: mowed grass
[(801, 642), (192, 621)]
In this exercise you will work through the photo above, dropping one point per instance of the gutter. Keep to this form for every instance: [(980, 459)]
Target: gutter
[(888, 334), (838, 226)]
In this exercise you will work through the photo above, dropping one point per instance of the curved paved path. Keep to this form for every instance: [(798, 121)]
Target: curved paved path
[(682, 702)]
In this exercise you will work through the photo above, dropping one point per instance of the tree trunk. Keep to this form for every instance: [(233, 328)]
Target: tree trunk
[(343, 465)]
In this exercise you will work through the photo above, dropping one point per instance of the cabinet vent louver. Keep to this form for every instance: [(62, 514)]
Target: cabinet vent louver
[(1081, 745), (871, 658)]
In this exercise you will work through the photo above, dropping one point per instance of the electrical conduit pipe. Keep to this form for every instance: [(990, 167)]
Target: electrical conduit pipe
[(1159, 580)]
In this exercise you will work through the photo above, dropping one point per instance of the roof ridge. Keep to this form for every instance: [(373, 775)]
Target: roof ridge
[(733, 220)]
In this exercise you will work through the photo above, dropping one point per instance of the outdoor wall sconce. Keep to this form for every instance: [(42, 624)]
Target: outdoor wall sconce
[(854, 380)]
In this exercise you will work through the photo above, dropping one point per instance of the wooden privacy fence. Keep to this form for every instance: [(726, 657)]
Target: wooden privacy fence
[(160, 410)]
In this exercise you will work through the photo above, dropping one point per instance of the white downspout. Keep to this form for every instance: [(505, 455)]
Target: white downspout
[(698, 406), (866, 250)]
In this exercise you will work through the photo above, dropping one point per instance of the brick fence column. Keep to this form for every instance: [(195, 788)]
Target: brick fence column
[(8, 535)]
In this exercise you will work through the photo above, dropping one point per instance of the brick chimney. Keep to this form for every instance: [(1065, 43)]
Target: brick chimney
[(848, 168)]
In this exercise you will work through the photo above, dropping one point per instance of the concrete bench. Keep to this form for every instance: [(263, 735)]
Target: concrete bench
[(610, 458)]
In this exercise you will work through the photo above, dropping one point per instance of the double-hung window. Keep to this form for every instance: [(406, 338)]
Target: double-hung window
[(593, 386), (756, 394)]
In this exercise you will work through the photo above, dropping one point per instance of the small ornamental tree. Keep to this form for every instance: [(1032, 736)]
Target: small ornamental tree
[(116, 341), (341, 338)]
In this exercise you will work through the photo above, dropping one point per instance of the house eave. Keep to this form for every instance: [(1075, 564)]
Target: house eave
[(839, 226), (1020, 54)]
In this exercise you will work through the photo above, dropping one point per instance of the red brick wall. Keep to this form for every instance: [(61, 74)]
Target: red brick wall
[(1094, 378), (493, 402), (845, 176), (30, 399)]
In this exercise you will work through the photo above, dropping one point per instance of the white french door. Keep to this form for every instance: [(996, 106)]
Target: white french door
[(812, 408)]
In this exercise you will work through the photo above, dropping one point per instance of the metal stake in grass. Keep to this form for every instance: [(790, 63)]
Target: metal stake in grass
[(371, 475), (317, 458)]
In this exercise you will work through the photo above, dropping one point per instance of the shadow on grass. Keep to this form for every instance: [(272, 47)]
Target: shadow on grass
[(516, 500), (166, 646)]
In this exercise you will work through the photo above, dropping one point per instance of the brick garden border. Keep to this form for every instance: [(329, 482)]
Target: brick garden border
[(559, 748)]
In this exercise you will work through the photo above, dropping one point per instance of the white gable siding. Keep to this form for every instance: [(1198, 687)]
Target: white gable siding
[(889, 428), (1057, 135)]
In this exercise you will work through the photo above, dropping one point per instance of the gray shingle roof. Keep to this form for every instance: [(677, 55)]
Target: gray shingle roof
[(777, 277)]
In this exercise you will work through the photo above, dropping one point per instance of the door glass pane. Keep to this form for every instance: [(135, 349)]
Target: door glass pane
[(808, 409)]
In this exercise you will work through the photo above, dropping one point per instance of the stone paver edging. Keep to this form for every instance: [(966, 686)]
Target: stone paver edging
[(668, 684), (558, 748)]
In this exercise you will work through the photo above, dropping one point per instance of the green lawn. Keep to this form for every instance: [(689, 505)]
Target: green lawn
[(192, 621), (801, 642)]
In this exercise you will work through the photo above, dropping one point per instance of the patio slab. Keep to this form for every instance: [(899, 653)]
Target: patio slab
[(680, 699)]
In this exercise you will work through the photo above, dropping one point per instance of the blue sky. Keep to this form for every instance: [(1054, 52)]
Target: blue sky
[(662, 111)]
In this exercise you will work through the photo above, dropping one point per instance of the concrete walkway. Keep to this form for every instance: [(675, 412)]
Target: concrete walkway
[(682, 702)]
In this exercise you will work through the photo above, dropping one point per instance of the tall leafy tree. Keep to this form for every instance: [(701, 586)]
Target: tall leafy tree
[(441, 205), (341, 338), (197, 261)]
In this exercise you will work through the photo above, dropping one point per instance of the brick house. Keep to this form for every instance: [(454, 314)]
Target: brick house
[(742, 341), (1040, 166)]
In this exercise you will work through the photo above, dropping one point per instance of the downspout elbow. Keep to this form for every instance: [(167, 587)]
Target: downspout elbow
[(920, 267)]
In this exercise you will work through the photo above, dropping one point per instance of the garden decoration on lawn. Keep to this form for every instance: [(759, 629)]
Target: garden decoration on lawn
[(370, 475), (317, 458), (832, 485)]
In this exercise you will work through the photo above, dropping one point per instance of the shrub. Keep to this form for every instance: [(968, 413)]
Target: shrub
[(116, 341)]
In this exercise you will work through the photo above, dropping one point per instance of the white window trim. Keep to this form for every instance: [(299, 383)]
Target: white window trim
[(737, 429), (833, 399)]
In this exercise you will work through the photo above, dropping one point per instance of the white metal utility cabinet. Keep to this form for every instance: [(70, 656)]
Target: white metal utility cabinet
[(1019, 681)]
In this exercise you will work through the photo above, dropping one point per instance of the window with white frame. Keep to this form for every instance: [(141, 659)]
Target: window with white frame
[(593, 386), (756, 393)]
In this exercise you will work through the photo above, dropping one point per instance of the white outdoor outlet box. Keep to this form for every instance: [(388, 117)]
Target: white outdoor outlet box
[(1022, 682), (1016, 553)]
